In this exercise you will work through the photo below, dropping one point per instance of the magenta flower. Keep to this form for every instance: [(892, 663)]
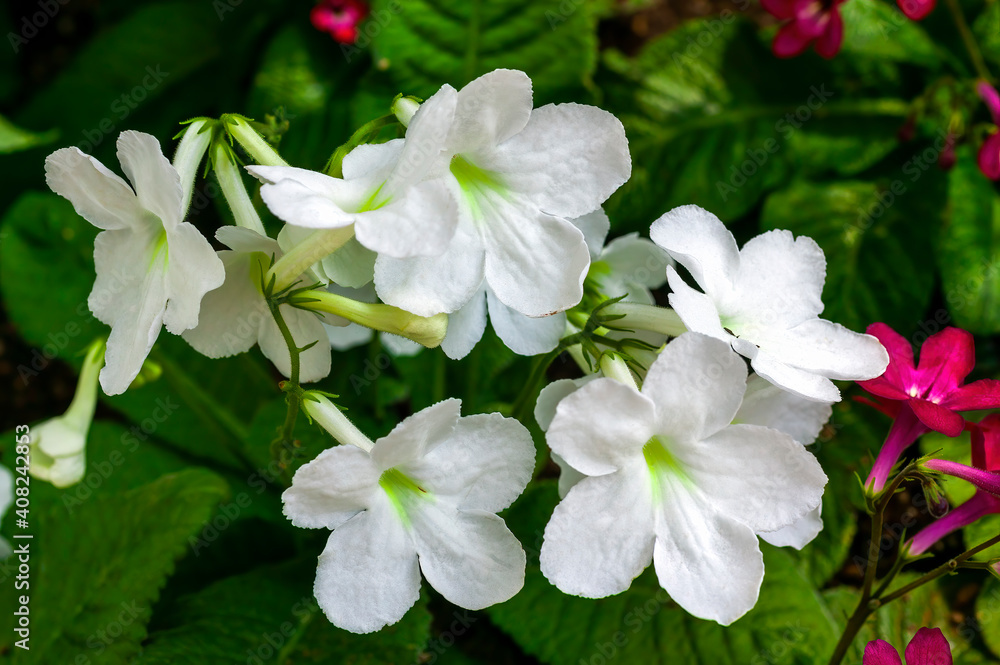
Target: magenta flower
[(339, 18), (928, 647), (984, 474), (929, 396), (989, 152), (814, 22), (916, 9)]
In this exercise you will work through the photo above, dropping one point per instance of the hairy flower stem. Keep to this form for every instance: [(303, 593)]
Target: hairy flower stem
[(283, 445), (870, 601), (969, 40)]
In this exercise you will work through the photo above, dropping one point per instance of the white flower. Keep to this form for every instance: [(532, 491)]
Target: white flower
[(767, 405), (424, 499), (765, 302), (670, 479), (235, 316), (519, 176), (58, 446), (383, 193), (152, 267), (6, 501)]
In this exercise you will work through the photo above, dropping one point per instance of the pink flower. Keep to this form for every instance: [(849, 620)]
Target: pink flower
[(928, 647), (815, 22), (339, 18), (928, 396), (989, 152), (984, 474), (916, 9)]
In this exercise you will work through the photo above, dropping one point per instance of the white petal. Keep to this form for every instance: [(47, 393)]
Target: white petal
[(231, 315), (353, 265), (193, 270), (246, 240), (470, 557), (97, 194), (410, 440), (331, 489), (602, 426), (347, 337), (758, 476), (466, 327), (130, 295), (420, 222), (535, 263), (370, 160), (825, 348), (550, 396), (803, 383), (595, 226), (305, 327), (400, 347), (636, 260), (798, 534), (157, 183), (710, 565), (430, 285), (309, 199), (568, 476), (490, 110), (568, 159), (780, 282), (422, 156), (368, 575), (525, 335), (767, 405), (696, 309), (697, 385), (600, 537), (697, 240), (483, 464)]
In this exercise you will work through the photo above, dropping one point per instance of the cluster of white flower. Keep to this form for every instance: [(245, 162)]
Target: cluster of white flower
[(490, 207)]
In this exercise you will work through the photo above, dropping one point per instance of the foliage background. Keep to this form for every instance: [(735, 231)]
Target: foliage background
[(174, 549)]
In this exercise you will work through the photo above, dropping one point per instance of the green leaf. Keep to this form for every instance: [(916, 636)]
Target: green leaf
[(968, 248), (426, 43), (270, 615), (878, 30), (988, 614), (14, 139), (987, 30), (876, 267), (707, 127), (642, 625), (97, 572)]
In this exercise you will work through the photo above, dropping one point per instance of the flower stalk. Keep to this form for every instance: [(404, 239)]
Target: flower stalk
[(428, 331)]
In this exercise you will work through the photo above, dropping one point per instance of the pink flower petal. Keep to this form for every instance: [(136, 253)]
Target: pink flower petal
[(811, 18), (901, 370), (937, 417), (991, 98), (979, 506), (880, 652), (789, 42), (833, 36), (981, 394), (906, 429), (987, 481), (986, 443), (945, 360), (989, 156), (782, 9), (916, 10)]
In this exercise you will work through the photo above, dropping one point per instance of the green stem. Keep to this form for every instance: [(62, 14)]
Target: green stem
[(317, 246), (283, 445), (969, 40), (526, 399), (866, 605), (945, 568)]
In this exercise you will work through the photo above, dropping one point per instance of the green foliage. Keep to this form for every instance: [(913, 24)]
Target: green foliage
[(429, 42), (876, 270), (13, 138), (988, 615), (642, 625), (967, 255), (108, 559)]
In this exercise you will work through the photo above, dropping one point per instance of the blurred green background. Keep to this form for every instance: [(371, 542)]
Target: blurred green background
[(174, 550)]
